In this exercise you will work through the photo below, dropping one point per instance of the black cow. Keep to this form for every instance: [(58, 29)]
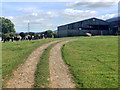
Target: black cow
[(7, 39), (16, 38)]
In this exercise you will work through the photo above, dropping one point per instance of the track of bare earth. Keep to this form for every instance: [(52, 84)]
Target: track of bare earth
[(60, 76), (24, 75)]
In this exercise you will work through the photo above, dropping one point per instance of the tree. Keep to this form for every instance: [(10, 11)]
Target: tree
[(7, 25), (49, 33), (6, 35)]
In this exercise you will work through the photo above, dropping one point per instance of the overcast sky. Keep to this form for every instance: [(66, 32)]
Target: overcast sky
[(48, 15)]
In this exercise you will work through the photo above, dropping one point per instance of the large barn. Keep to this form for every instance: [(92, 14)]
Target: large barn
[(93, 26)]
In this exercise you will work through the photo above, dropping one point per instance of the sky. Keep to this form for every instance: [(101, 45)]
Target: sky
[(48, 15)]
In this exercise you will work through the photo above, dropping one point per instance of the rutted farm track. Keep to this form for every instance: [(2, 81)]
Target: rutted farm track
[(59, 73), (24, 75), (60, 76)]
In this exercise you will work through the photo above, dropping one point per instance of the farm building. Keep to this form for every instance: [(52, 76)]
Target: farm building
[(93, 26), (114, 25)]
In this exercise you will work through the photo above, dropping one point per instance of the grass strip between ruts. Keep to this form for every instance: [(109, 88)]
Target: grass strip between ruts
[(42, 73)]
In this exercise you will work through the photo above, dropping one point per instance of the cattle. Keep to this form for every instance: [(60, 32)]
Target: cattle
[(45, 36), (42, 36), (7, 39), (32, 37), (37, 37), (28, 37), (17, 38)]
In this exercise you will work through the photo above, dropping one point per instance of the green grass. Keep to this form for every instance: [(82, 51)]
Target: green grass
[(93, 61), (15, 53), (42, 73)]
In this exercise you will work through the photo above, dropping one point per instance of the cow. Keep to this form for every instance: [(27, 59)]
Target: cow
[(42, 36), (17, 38), (7, 39), (28, 37)]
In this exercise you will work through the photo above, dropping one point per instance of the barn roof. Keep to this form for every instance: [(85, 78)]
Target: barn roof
[(83, 21)]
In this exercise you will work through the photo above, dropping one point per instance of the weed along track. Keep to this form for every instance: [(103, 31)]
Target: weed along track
[(60, 76), (24, 75)]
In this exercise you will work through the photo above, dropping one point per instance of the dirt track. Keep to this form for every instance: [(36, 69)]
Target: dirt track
[(60, 76), (24, 75)]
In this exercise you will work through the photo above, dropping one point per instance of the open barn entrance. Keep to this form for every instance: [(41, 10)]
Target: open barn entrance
[(95, 29)]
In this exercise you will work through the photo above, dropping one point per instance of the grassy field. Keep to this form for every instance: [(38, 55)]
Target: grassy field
[(42, 73), (93, 61), (15, 53)]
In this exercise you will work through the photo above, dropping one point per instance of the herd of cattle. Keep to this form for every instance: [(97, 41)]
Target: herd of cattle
[(27, 37)]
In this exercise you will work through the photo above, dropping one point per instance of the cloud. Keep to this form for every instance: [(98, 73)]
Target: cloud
[(0, 9), (37, 0), (38, 21), (46, 20), (75, 15), (52, 0), (108, 16), (92, 4), (10, 17), (29, 9), (34, 14)]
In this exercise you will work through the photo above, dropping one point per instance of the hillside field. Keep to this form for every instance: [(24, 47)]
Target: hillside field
[(93, 61)]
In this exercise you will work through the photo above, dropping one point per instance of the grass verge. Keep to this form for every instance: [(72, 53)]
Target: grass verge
[(42, 73), (93, 61), (15, 53)]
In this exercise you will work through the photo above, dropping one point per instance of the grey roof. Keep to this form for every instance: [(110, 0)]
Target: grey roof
[(85, 20)]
